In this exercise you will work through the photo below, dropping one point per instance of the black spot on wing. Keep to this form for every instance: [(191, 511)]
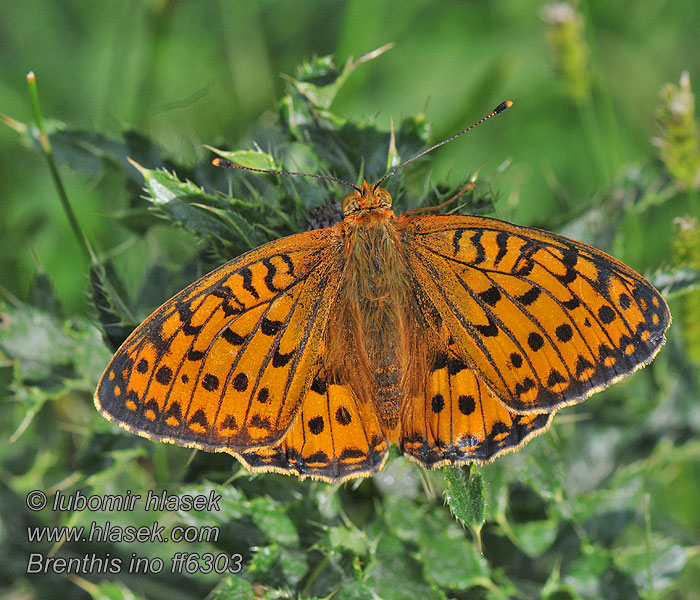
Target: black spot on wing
[(564, 332), (454, 365), (523, 387), (188, 329), (316, 425), (438, 403), (199, 418), (280, 359), (524, 264), (529, 297), (571, 304), (490, 296), (603, 281), (210, 382), (318, 458), (502, 243), (240, 382), (456, 239), (259, 422), (270, 275), (568, 277), (466, 404), (195, 355), (606, 314), (570, 257), (343, 416), (440, 361), (319, 385), (228, 424), (229, 309), (490, 330), (269, 327), (535, 341), (232, 337), (247, 275), (174, 412), (184, 311), (480, 252), (164, 375), (555, 377)]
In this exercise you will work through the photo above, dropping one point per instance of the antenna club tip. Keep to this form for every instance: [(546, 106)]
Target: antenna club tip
[(503, 106), (222, 162), (31, 77)]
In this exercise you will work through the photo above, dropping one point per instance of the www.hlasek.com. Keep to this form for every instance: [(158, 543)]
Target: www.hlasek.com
[(180, 562)]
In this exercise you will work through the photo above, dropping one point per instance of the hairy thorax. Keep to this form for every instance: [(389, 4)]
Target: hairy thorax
[(376, 313)]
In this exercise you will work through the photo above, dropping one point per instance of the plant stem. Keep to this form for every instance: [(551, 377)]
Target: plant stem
[(46, 147)]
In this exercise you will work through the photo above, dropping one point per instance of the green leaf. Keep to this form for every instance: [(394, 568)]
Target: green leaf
[(106, 590), (234, 225), (653, 569), (346, 538), (247, 158), (448, 557), (276, 565), (115, 320), (585, 574), (49, 352), (89, 152), (319, 80), (234, 588), (396, 574), (534, 538), (266, 514), (466, 497), (677, 282)]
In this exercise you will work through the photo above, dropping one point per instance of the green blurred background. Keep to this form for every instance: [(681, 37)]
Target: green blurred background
[(190, 73), (574, 154)]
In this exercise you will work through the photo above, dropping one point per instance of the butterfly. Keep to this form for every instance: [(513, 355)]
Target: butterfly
[(456, 338)]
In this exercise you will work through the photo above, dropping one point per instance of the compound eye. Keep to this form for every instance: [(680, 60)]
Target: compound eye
[(384, 196), (349, 199)]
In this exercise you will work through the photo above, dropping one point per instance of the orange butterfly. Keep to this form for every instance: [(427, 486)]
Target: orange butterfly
[(455, 337)]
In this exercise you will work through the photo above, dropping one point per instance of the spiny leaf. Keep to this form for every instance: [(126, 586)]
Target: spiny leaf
[(114, 319), (466, 497), (234, 225)]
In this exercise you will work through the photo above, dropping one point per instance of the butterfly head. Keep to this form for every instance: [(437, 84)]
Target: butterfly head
[(367, 197)]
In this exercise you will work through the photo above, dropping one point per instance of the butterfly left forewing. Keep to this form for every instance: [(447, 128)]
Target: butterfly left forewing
[(223, 364), (543, 319)]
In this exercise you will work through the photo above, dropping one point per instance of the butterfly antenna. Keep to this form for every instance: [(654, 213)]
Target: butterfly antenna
[(499, 109), (227, 164)]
